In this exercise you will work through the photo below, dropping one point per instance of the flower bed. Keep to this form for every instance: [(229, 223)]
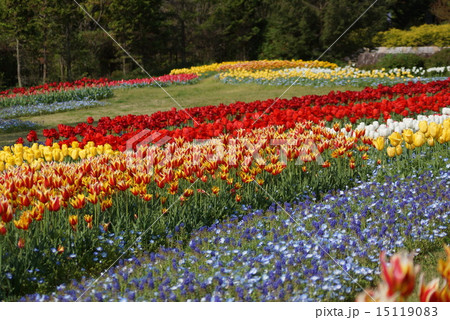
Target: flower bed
[(266, 256), (80, 90), (325, 77), (381, 104), (61, 200)]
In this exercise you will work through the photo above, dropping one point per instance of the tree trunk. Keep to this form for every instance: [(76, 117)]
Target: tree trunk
[(124, 65), (61, 65), (44, 66), (68, 53), (183, 42), (19, 75)]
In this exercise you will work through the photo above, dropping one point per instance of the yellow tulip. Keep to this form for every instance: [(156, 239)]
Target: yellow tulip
[(29, 157), (391, 151), (2, 166), (418, 139), (430, 141), (446, 123), (93, 151), (48, 156), (446, 134), (82, 154), (395, 138), (10, 160), (74, 153), (18, 160), (75, 144), (18, 148), (434, 129), (37, 153), (379, 143), (441, 139), (408, 136), (423, 126), (398, 149)]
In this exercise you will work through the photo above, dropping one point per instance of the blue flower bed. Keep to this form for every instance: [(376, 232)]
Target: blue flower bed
[(356, 82), (327, 254), (43, 108), (14, 125)]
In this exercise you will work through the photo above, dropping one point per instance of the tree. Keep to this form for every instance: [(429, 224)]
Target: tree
[(136, 26), (339, 15), (441, 9), (17, 28), (293, 31)]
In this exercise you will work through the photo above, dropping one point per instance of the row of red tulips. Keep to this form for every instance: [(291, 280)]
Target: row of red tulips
[(242, 116), (86, 82)]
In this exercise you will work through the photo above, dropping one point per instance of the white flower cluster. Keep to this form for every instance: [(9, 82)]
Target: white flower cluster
[(375, 129)]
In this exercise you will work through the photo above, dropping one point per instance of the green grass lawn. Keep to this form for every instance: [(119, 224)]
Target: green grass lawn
[(209, 91)]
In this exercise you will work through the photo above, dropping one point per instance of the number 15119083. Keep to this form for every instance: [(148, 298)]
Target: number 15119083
[(407, 311)]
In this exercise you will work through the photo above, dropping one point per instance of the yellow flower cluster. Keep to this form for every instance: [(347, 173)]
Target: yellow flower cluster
[(428, 133), (203, 69), (314, 74), (255, 65), (276, 64), (17, 154)]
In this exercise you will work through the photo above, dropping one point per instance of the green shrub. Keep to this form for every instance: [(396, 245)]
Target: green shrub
[(424, 35), (439, 59), (406, 60)]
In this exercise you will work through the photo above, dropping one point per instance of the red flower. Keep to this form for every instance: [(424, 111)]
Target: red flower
[(19, 141), (90, 120), (32, 136)]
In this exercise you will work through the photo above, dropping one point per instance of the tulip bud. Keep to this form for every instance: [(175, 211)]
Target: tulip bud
[(391, 151), (430, 141), (21, 243), (423, 126), (418, 139), (434, 129), (379, 143), (398, 149)]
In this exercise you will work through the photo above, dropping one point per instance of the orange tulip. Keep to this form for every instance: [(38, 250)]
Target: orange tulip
[(3, 229), (430, 291), (399, 275), (73, 221), (54, 204), (21, 243), (88, 219)]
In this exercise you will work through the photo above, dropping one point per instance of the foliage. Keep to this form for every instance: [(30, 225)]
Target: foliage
[(406, 60), (439, 59), (57, 41), (424, 35)]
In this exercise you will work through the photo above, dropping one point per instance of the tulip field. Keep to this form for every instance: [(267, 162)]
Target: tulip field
[(311, 198)]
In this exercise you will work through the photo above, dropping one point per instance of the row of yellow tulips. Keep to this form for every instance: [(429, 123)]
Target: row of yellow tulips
[(313, 74), (254, 65), (17, 154), (428, 133)]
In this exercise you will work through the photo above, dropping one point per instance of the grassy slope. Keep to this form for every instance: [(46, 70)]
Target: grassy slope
[(209, 91)]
